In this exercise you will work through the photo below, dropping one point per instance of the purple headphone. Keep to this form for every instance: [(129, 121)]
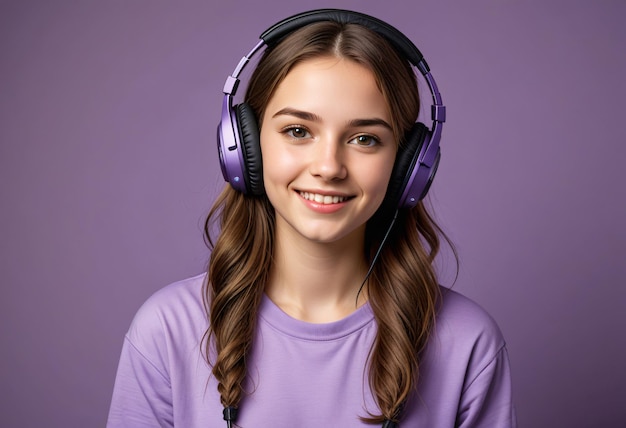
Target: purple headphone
[(238, 134)]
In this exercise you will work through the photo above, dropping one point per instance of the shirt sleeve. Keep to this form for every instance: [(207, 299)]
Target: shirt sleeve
[(487, 399), (142, 395)]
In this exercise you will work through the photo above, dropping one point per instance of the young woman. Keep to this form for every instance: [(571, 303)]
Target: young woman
[(321, 307)]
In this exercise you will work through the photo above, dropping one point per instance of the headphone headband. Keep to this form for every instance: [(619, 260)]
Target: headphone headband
[(276, 32)]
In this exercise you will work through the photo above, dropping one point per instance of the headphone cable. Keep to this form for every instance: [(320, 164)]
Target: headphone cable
[(378, 251), (387, 423)]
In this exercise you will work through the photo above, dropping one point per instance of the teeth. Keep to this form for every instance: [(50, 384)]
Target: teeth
[(322, 199)]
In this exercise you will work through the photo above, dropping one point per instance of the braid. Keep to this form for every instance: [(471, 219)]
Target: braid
[(237, 275)]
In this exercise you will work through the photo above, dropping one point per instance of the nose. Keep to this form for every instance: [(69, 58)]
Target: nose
[(327, 160)]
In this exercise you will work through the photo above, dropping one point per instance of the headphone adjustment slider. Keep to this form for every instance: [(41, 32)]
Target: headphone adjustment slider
[(231, 84), (438, 113)]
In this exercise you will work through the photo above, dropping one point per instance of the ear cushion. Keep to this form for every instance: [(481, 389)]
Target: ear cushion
[(404, 165), (250, 142)]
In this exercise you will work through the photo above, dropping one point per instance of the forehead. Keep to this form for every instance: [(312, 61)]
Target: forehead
[(331, 85)]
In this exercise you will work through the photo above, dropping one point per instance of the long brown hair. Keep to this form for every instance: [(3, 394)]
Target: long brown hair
[(402, 289)]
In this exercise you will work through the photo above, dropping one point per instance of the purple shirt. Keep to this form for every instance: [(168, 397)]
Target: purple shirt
[(306, 375)]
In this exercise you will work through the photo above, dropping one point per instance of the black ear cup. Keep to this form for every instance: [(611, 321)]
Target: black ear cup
[(250, 141), (404, 165)]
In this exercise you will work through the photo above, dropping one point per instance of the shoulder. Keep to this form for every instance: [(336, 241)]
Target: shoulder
[(461, 320), (175, 311), (465, 361), (465, 337), (160, 357)]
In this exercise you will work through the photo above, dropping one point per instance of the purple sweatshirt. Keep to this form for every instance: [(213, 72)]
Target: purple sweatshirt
[(306, 375)]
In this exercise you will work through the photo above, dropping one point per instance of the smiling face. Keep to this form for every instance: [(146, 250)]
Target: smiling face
[(328, 150)]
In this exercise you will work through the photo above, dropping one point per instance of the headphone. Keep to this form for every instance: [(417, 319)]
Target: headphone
[(238, 133)]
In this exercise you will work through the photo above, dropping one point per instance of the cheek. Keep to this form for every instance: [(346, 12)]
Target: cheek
[(278, 164), (375, 184)]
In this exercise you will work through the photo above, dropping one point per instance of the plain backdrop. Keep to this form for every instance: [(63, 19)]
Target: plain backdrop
[(108, 111)]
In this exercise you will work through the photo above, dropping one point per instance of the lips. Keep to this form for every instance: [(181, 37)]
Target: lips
[(323, 199)]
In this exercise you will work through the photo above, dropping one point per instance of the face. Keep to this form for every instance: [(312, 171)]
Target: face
[(328, 150)]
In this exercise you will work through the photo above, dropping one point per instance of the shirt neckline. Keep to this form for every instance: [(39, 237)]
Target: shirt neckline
[(279, 320)]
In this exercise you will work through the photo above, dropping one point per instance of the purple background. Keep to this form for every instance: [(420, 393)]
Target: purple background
[(108, 165)]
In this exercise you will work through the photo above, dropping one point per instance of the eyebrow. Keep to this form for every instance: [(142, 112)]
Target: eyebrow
[(304, 115), (312, 117)]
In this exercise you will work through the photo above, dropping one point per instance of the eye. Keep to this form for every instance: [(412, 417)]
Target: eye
[(297, 132), (365, 140)]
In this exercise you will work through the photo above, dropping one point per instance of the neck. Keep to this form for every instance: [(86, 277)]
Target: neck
[(317, 282)]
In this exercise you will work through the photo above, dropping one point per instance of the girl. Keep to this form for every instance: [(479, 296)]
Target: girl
[(321, 306)]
